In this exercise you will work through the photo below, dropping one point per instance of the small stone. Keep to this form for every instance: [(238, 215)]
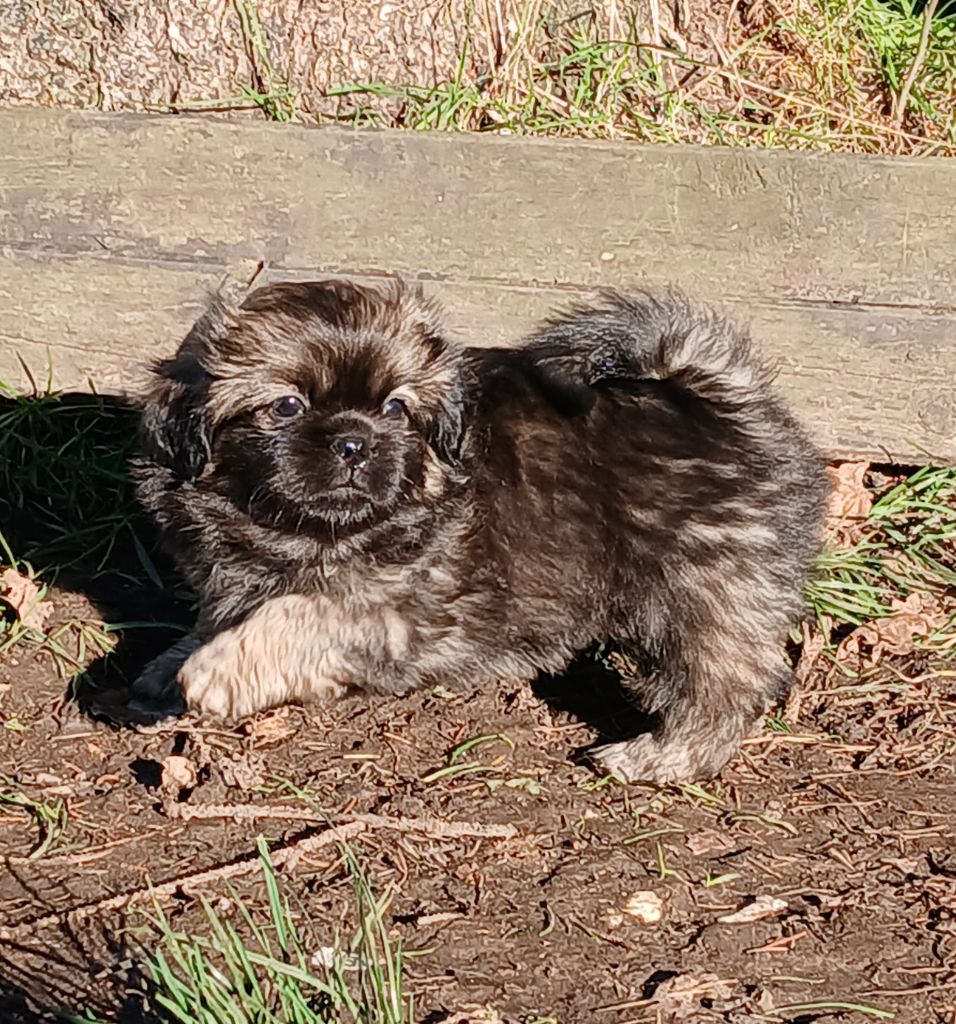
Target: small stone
[(645, 906)]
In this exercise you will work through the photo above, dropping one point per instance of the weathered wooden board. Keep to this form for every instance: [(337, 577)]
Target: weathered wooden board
[(113, 229)]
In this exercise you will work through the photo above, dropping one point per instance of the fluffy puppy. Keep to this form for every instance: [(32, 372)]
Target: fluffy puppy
[(360, 504)]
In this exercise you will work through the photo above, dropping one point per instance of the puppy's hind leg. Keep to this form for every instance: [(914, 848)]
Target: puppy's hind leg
[(708, 694)]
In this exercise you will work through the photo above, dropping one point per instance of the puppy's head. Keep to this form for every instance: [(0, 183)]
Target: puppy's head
[(321, 403)]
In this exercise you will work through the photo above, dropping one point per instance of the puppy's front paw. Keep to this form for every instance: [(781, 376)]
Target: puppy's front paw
[(645, 759), (213, 681), (156, 693)]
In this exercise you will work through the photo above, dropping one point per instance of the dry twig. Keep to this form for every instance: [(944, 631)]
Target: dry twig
[(289, 853), (929, 12)]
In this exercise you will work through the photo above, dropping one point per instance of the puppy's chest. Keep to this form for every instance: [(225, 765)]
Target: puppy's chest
[(383, 606), (407, 591)]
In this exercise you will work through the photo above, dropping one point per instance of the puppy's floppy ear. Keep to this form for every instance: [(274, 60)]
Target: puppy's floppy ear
[(443, 382), (445, 432), (446, 429), (176, 428)]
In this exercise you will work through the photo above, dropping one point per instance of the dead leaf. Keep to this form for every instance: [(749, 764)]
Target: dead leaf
[(23, 596), (765, 1001), (761, 907), (814, 644), (708, 841), (470, 1014), (850, 501), (680, 997), (179, 773), (918, 616), (272, 728), (243, 772), (645, 906)]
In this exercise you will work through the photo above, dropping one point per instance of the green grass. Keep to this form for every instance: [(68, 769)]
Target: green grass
[(68, 517), (890, 35), (804, 74), (820, 75), (257, 967), (908, 543), (65, 496), (49, 817)]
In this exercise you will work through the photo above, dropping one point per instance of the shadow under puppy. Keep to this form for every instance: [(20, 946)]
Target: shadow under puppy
[(360, 503)]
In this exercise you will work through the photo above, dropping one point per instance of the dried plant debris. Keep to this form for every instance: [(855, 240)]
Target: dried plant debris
[(26, 599)]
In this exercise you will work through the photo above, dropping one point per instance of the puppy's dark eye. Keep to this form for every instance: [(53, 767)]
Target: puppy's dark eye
[(395, 409), (288, 406)]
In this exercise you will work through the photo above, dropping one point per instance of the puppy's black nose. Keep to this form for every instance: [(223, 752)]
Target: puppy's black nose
[(351, 449)]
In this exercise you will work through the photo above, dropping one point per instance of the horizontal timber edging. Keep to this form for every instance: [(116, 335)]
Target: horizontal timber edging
[(114, 228)]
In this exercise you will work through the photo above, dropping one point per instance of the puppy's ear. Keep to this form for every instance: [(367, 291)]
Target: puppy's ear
[(176, 426), (446, 431)]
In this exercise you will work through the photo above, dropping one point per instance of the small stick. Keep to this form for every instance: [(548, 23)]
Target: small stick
[(290, 853), (233, 869), (929, 12), (436, 828)]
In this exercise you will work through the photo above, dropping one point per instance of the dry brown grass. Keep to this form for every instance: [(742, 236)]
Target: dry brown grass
[(849, 75)]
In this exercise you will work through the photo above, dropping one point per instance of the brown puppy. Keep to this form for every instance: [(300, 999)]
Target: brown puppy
[(361, 504)]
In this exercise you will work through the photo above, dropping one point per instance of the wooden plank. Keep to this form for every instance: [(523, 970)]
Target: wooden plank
[(112, 228), (125, 314)]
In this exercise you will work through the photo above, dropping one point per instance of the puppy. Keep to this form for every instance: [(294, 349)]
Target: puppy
[(361, 504)]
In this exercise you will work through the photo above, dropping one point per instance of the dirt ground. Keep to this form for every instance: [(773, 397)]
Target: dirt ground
[(119, 55), (832, 832)]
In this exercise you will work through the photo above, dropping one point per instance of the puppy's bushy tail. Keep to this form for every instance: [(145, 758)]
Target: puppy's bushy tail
[(623, 338)]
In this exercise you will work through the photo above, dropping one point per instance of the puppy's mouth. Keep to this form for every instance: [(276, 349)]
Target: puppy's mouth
[(350, 489), (349, 496)]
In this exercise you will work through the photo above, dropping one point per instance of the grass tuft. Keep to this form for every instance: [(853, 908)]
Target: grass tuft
[(828, 74), (257, 967), (50, 817), (65, 496), (906, 544)]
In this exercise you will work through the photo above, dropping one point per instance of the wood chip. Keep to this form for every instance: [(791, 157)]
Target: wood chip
[(760, 908)]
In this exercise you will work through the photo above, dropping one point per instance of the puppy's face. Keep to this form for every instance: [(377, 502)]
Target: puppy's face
[(313, 405)]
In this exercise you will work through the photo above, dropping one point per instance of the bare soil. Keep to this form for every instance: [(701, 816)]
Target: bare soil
[(119, 55), (847, 820)]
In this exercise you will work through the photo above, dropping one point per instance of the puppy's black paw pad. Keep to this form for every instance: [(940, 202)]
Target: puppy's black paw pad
[(156, 694), (147, 712)]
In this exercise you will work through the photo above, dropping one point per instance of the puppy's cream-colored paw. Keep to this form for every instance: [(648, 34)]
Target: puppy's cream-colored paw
[(221, 680), (644, 759), (212, 680), (252, 667)]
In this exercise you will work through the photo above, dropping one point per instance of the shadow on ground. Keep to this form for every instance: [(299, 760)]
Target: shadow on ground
[(42, 988), (67, 512)]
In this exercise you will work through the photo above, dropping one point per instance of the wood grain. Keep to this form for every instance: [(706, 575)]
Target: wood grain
[(114, 228)]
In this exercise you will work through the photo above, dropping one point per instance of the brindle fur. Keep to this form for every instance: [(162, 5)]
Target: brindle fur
[(626, 474)]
